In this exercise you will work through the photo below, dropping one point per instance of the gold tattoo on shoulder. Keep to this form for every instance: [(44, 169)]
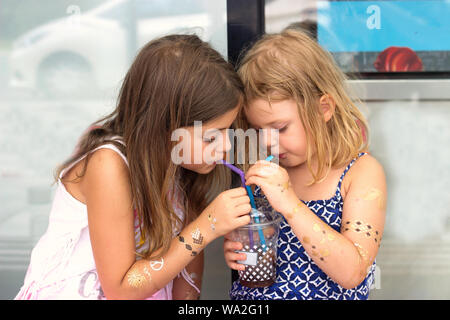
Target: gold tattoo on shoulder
[(375, 194)]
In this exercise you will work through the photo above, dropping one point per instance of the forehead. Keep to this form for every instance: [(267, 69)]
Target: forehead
[(261, 112), (223, 121)]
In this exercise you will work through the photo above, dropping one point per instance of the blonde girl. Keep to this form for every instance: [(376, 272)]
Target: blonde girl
[(329, 190)]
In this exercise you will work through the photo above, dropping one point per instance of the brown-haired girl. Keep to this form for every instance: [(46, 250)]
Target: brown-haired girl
[(333, 216), (126, 221)]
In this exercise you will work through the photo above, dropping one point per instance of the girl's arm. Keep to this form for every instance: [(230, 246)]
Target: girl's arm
[(182, 290), (106, 189), (344, 256)]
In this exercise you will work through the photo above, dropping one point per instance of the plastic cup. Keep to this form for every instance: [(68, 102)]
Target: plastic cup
[(260, 269)]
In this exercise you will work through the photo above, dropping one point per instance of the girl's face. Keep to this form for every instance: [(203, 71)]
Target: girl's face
[(208, 143), (290, 146)]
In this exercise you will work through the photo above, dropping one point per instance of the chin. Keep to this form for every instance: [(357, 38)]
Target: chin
[(206, 169), (290, 163), (202, 168)]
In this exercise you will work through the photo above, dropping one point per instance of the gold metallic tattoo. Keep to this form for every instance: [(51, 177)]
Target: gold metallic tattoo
[(284, 186), (187, 246), (375, 194), (364, 254), (212, 220), (197, 238), (136, 279), (364, 228), (321, 253)]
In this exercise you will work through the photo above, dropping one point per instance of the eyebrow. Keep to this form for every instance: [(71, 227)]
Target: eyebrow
[(217, 128), (270, 123)]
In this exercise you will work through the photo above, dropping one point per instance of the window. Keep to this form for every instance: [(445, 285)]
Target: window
[(62, 63), (374, 38)]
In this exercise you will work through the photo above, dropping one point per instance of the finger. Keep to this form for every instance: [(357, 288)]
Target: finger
[(243, 209), (236, 256), (236, 192), (243, 220), (261, 171), (259, 181), (232, 245), (241, 200), (264, 163), (236, 266), (227, 237)]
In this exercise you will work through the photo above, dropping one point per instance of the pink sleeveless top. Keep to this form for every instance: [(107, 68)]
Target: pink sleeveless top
[(62, 264)]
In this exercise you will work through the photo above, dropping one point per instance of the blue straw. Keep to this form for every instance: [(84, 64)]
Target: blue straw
[(262, 240), (252, 201)]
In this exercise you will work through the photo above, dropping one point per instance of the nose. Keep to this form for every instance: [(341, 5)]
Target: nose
[(227, 141), (269, 138)]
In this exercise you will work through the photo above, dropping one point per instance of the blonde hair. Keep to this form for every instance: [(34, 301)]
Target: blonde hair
[(291, 65)]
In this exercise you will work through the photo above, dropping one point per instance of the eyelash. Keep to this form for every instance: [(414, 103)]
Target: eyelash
[(209, 140), (282, 129)]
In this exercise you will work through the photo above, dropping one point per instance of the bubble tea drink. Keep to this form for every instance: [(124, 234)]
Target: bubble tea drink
[(259, 242)]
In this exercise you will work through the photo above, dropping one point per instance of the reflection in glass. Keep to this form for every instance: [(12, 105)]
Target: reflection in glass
[(62, 63)]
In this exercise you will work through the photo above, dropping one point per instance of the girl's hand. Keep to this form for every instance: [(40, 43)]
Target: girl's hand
[(231, 257), (228, 211), (274, 182)]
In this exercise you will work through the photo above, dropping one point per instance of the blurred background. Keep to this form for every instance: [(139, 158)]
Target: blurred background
[(62, 63)]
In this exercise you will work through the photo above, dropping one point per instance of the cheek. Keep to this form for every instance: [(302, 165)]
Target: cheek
[(296, 142)]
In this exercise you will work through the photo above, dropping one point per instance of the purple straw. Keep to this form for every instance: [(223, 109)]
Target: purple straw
[(242, 175)]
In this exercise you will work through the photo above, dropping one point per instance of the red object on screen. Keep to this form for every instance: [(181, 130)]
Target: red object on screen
[(395, 59)]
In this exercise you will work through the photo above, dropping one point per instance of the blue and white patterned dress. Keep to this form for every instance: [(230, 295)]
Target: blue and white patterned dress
[(298, 276)]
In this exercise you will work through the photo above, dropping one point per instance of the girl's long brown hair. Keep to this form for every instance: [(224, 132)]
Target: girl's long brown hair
[(173, 81)]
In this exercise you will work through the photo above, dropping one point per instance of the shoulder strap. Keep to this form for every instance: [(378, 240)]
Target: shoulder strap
[(104, 146), (348, 168)]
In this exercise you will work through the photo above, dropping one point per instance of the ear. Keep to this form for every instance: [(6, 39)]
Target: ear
[(327, 106)]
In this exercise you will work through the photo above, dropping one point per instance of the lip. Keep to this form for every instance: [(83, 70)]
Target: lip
[(282, 155)]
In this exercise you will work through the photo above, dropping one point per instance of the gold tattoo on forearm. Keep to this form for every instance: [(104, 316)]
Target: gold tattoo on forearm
[(362, 252), (197, 238), (364, 228), (284, 186), (363, 259), (321, 253), (135, 279), (187, 246), (212, 220)]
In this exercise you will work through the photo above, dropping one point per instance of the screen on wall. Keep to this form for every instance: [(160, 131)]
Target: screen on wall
[(379, 37)]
